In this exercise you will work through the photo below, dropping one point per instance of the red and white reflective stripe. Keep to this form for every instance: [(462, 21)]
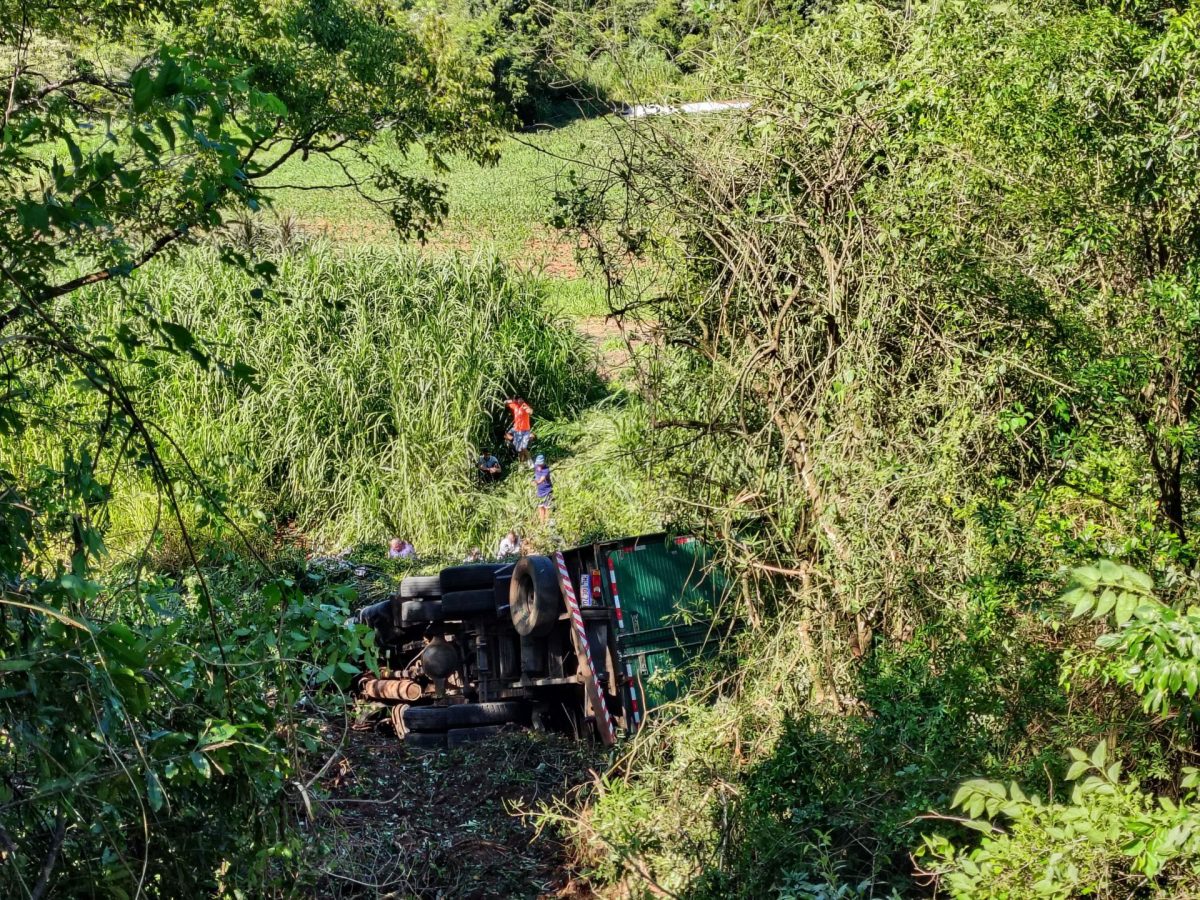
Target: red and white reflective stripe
[(633, 703), (612, 581), (568, 589)]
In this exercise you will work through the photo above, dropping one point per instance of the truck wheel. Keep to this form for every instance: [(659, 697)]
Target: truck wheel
[(424, 718), (472, 714), (420, 586), (425, 741), (421, 611), (457, 604), (469, 578), (534, 598), (459, 736)]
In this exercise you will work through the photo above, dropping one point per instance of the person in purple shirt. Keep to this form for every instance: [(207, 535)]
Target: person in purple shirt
[(544, 486)]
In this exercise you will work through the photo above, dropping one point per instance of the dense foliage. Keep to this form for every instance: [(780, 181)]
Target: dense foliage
[(918, 349), (154, 730), (929, 340)]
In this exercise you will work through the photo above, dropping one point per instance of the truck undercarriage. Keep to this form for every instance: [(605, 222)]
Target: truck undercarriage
[(541, 642)]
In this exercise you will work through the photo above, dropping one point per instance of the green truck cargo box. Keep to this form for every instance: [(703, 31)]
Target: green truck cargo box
[(665, 594)]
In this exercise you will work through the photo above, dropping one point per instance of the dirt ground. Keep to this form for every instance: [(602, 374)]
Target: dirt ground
[(395, 822)]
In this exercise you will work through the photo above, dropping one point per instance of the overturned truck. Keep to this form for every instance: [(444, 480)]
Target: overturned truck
[(585, 641)]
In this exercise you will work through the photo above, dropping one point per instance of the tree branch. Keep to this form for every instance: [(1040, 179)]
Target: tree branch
[(43, 882)]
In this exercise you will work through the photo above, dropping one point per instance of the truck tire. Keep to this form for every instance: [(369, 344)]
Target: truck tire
[(534, 598), (469, 715), (459, 736), (421, 611), (414, 586), (458, 604), (422, 740), (469, 578), (424, 718)]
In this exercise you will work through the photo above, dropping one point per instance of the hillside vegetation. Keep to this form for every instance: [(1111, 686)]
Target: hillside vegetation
[(912, 342), (379, 380), (931, 348)]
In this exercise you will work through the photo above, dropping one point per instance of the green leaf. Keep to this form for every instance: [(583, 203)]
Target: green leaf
[(201, 764), (1126, 604), (960, 796), (1076, 769), (146, 143), (180, 336), (1100, 755), (164, 128), (1107, 601), (143, 90), (977, 825), (73, 149), (1073, 596), (154, 790), (1084, 604), (15, 665), (1140, 579)]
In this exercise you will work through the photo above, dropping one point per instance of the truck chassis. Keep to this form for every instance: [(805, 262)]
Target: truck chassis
[(478, 648)]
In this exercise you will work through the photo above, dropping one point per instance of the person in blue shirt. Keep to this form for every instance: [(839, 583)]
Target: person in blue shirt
[(488, 466), (544, 487)]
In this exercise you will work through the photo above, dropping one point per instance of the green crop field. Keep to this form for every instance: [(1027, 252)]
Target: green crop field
[(506, 205), (502, 209)]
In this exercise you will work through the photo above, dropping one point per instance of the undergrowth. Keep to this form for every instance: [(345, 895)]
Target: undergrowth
[(380, 376)]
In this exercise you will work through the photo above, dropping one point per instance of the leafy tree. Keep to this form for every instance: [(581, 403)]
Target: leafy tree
[(928, 333), (140, 753), (1112, 832)]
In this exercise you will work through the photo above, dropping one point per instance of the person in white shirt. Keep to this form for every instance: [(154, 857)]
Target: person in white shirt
[(510, 545)]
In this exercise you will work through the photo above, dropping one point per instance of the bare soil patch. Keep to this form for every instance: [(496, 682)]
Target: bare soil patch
[(397, 822)]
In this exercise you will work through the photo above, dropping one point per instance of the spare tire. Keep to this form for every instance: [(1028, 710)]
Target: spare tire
[(420, 586), (458, 604), (467, 715), (424, 718), (534, 598), (460, 736), (469, 578), (425, 740), (421, 611)]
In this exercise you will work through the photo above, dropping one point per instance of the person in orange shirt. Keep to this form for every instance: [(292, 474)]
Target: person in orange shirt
[(521, 432)]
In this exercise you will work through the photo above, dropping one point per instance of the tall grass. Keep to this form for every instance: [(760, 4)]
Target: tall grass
[(381, 375)]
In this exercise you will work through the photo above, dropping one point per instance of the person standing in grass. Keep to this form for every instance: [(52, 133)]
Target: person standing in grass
[(544, 487), (521, 432)]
